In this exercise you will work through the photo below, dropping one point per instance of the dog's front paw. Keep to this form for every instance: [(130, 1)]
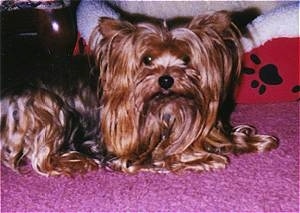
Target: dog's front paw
[(70, 163), (203, 161)]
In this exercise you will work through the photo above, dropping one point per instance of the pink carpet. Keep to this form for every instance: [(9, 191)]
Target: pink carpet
[(253, 182)]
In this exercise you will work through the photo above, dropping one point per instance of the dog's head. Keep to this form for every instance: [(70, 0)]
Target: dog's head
[(161, 89)]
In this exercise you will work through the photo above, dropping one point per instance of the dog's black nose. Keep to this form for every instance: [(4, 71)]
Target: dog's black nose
[(165, 81)]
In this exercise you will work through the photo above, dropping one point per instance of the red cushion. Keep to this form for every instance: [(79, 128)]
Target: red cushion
[(271, 73)]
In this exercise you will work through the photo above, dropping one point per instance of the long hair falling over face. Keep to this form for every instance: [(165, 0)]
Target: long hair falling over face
[(161, 93)]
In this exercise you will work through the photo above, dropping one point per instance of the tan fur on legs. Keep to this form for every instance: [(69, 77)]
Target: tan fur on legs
[(33, 127)]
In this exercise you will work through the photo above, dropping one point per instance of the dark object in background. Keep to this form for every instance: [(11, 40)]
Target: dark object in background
[(32, 39)]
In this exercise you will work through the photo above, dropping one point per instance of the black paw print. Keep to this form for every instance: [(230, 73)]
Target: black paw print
[(268, 75), (296, 89)]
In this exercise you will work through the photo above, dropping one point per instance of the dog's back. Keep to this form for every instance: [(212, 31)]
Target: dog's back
[(56, 111)]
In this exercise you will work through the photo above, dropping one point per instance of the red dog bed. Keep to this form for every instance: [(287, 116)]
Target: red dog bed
[(271, 60)]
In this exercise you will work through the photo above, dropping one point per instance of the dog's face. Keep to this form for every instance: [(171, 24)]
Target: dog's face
[(161, 90)]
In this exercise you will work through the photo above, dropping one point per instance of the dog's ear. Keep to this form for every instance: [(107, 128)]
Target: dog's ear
[(221, 39), (219, 22), (109, 27)]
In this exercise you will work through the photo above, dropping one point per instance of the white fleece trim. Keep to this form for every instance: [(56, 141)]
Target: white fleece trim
[(89, 11), (282, 22), (88, 14), (275, 23)]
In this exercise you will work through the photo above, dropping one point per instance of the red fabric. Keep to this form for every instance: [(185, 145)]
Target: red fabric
[(271, 73), (81, 47)]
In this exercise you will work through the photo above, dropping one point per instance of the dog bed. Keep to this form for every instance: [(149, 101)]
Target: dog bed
[(271, 59)]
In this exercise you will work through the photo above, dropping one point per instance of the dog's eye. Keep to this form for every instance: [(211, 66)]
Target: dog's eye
[(186, 59), (147, 60)]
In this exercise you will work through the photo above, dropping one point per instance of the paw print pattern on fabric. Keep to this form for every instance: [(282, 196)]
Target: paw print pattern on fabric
[(296, 89), (268, 75), (271, 73)]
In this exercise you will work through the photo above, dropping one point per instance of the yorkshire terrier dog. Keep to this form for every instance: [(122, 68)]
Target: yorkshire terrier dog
[(156, 103)]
